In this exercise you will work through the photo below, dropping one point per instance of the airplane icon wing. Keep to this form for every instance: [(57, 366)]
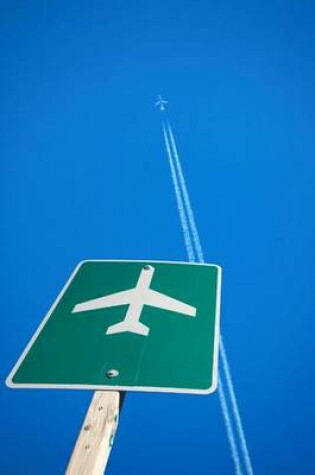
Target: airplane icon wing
[(156, 299), (112, 300), (152, 297)]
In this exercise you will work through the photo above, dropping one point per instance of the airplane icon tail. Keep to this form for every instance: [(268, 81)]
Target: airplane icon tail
[(131, 327)]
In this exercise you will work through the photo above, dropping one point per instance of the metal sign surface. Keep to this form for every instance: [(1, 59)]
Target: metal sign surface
[(128, 325)]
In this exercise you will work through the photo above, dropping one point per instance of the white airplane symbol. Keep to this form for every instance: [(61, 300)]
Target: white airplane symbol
[(161, 103), (136, 298)]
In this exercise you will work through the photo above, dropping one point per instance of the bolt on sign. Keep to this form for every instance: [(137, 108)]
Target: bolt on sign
[(128, 325)]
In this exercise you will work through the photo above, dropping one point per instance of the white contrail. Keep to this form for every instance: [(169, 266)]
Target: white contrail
[(223, 355), (229, 429), (191, 257), (239, 425), (190, 213), (180, 205)]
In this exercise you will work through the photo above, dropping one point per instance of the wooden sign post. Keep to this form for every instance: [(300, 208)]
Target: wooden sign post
[(94, 443)]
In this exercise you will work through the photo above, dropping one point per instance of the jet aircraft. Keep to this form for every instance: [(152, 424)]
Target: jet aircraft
[(161, 103)]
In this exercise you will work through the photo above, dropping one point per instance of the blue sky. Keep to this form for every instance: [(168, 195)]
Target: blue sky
[(84, 175)]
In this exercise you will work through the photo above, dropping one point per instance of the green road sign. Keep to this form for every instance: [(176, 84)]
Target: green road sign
[(128, 325)]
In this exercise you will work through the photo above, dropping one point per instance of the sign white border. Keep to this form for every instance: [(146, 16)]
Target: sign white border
[(9, 381)]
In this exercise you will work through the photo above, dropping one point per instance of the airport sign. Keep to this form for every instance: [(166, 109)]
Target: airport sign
[(128, 325)]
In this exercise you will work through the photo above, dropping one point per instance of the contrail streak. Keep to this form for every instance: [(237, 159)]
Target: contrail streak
[(239, 425), (223, 354), (229, 429), (180, 205), (189, 210), (191, 257)]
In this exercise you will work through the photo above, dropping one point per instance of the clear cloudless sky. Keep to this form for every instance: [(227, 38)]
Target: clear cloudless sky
[(84, 175)]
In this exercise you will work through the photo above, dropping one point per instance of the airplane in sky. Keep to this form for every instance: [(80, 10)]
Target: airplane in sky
[(136, 298), (161, 103)]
